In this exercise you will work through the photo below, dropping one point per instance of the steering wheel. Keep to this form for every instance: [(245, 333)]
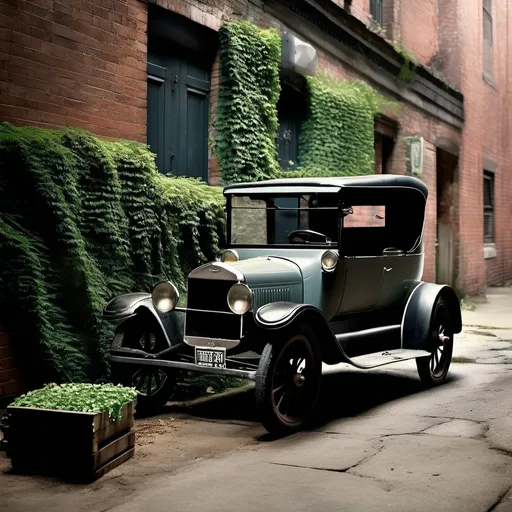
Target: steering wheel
[(307, 234)]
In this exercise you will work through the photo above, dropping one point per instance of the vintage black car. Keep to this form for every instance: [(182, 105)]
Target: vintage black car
[(316, 271)]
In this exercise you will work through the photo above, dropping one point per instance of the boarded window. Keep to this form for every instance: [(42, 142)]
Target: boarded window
[(488, 207)]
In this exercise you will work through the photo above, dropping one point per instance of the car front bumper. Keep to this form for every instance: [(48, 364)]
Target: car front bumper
[(183, 365)]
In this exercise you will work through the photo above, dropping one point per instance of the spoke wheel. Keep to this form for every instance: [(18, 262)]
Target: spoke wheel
[(434, 369), (154, 385), (288, 382)]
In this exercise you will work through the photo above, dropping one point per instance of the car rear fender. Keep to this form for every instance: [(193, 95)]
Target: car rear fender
[(417, 317), (278, 316)]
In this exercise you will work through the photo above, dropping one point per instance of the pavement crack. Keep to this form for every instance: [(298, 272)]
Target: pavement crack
[(331, 470), (499, 500), (503, 451)]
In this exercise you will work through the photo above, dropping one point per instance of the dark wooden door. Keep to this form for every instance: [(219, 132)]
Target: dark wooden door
[(178, 103)]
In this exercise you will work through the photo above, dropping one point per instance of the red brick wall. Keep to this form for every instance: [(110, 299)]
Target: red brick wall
[(418, 26), (9, 376), (487, 134), (360, 9), (74, 63), (448, 57), (412, 22)]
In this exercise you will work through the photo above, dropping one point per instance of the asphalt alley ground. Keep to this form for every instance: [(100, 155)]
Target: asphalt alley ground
[(381, 442)]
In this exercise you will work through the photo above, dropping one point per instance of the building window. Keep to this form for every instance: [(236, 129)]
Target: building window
[(488, 36), (488, 207), (180, 56), (376, 11)]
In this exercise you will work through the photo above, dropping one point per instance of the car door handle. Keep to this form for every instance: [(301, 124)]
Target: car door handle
[(388, 269)]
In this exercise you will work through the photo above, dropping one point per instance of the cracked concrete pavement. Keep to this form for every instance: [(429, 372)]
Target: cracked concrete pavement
[(380, 442)]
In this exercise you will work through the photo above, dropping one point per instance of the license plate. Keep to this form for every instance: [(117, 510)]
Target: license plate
[(211, 357)]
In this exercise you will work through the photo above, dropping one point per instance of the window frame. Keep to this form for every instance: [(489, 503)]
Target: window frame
[(488, 42), (488, 209), (487, 12), (377, 11), (229, 225)]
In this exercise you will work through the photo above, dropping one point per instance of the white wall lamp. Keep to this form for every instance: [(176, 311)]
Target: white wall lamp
[(298, 56)]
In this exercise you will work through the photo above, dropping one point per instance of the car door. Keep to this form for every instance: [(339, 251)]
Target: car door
[(362, 283)]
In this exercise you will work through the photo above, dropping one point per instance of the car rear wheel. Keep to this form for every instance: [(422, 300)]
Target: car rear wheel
[(154, 385), (434, 369), (288, 381)]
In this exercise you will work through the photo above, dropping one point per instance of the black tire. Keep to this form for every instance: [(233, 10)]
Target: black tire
[(155, 385), (434, 369), (288, 381)]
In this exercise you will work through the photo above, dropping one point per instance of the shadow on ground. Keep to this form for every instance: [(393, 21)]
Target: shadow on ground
[(343, 395)]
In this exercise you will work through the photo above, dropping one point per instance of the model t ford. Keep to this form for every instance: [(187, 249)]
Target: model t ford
[(317, 271)]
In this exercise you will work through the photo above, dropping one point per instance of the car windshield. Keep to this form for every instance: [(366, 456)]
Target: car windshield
[(308, 219)]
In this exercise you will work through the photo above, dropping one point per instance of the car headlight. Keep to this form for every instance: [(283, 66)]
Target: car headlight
[(329, 260), (165, 296), (240, 298), (229, 255)]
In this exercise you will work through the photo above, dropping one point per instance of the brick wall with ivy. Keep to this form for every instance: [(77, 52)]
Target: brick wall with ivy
[(82, 220)]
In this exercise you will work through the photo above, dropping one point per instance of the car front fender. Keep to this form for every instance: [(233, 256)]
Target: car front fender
[(417, 317), (131, 305), (124, 306), (282, 315)]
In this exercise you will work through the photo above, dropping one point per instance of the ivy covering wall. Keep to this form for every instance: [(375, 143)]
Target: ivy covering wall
[(82, 220), (246, 124), (336, 139)]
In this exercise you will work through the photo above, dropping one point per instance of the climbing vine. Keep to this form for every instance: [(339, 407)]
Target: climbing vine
[(246, 124), (337, 138), (408, 69), (82, 220)]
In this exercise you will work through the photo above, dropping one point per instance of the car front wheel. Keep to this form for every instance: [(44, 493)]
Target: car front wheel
[(154, 385), (434, 369), (288, 381)]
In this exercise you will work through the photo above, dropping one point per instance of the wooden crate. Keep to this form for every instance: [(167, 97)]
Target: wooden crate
[(76, 446)]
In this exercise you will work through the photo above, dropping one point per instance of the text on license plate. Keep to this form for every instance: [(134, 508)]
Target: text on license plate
[(211, 357)]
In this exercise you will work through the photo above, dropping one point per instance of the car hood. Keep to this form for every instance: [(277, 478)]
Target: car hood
[(268, 271)]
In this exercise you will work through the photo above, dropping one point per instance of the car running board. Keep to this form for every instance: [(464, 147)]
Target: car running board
[(387, 357)]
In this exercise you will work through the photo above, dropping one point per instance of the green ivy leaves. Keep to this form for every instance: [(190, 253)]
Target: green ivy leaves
[(81, 221), (246, 124), (337, 138)]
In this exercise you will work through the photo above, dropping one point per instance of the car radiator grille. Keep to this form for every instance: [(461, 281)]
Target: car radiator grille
[(264, 296), (208, 313)]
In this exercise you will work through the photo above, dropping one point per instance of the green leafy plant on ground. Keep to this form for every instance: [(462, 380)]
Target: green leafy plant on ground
[(467, 304), (79, 397), (246, 124), (82, 220)]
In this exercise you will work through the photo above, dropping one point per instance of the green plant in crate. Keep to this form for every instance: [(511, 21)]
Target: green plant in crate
[(79, 397)]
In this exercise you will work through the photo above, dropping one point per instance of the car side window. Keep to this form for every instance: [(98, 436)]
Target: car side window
[(364, 230), (248, 221), (366, 216)]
